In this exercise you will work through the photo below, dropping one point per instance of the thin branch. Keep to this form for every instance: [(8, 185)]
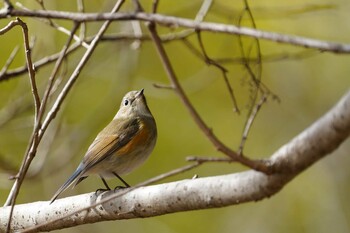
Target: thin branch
[(51, 23), (55, 70), (8, 27), (30, 68), (208, 159), (255, 77), (162, 86), (249, 122), (52, 113), (257, 165), (187, 23), (9, 61), (38, 64), (155, 6), (137, 5), (165, 39), (137, 32), (36, 98), (116, 37), (273, 57), (8, 5), (67, 32), (82, 34), (203, 11), (257, 42), (223, 70)]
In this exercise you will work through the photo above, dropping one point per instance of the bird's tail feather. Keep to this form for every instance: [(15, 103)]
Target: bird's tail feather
[(68, 183)]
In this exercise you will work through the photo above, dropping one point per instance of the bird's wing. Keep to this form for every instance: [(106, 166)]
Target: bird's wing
[(109, 141)]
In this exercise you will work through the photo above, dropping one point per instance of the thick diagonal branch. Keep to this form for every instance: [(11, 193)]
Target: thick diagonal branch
[(315, 142)]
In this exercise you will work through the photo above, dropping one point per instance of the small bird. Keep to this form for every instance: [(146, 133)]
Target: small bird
[(124, 144)]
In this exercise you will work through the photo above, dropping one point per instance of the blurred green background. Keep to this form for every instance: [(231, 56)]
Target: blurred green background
[(316, 201)]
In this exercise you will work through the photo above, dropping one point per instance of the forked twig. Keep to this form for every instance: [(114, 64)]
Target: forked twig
[(223, 70), (55, 70), (55, 25), (56, 106), (38, 64), (257, 165), (30, 152), (255, 77), (249, 123), (36, 97), (114, 37), (52, 113)]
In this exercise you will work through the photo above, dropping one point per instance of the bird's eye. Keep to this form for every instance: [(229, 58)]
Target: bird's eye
[(126, 102)]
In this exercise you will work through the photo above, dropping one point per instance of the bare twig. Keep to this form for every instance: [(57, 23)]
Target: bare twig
[(223, 70), (31, 150), (162, 86), (9, 61), (82, 34), (137, 5), (8, 27), (138, 34), (121, 36), (257, 42), (203, 10), (257, 165), (36, 98), (255, 77), (187, 23), (8, 5), (55, 71), (155, 6), (169, 37), (38, 64), (54, 24), (249, 123), (208, 159), (52, 113), (30, 68), (273, 57)]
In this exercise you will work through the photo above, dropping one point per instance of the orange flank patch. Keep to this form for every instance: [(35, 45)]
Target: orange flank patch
[(138, 140)]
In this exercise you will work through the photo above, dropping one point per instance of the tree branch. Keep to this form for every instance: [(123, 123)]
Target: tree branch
[(315, 142), (187, 23), (219, 145)]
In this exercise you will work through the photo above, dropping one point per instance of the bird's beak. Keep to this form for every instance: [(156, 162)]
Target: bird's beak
[(140, 93)]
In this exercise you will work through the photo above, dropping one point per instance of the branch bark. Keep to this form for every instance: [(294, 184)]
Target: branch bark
[(183, 22), (315, 142)]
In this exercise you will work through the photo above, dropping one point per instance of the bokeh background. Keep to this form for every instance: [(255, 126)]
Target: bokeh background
[(307, 85)]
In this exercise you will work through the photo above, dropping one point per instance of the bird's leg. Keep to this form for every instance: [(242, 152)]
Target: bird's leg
[(105, 183), (121, 179)]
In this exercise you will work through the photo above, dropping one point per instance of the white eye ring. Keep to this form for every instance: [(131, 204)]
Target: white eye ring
[(126, 102)]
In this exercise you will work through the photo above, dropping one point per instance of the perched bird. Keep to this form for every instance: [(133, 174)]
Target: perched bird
[(124, 144)]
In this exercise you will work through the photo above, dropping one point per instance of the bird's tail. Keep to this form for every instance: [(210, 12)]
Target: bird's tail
[(69, 182)]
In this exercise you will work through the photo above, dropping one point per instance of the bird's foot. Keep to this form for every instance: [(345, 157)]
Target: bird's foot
[(119, 187), (101, 190)]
